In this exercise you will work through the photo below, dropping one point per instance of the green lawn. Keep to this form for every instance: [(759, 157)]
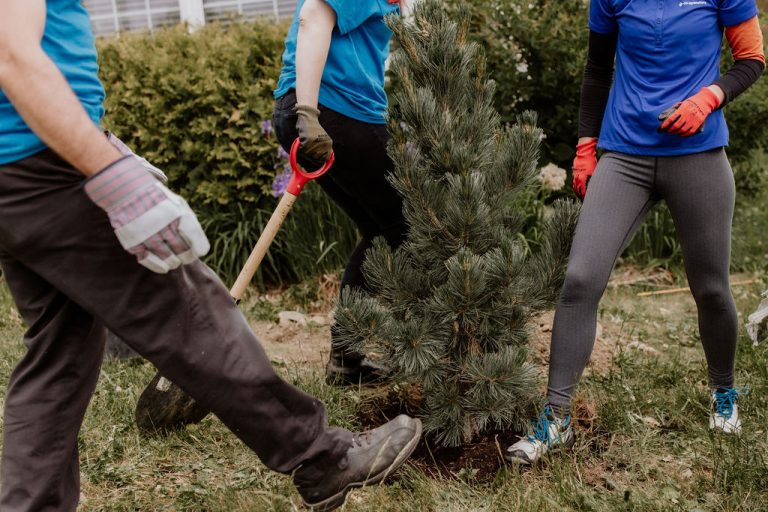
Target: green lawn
[(646, 448)]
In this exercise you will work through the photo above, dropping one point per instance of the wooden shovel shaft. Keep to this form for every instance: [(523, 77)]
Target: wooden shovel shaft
[(262, 246)]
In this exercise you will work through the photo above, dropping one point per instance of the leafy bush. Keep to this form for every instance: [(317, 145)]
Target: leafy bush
[(198, 106), (536, 50)]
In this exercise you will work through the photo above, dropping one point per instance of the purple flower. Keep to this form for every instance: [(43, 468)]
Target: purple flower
[(266, 128), (281, 181), (281, 154)]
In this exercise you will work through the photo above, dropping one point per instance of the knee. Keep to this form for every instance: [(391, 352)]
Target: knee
[(712, 297), (581, 286)]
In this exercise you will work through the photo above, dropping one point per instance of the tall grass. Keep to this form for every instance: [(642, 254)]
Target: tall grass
[(316, 238)]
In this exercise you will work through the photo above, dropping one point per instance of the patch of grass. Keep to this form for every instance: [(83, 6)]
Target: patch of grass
[(647, 449), (309, 296)]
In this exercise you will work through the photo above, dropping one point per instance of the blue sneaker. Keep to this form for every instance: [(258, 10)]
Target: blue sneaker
[(546, 433), (725, 411)]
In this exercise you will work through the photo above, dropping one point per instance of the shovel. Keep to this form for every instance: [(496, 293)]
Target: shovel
[(163, 406)]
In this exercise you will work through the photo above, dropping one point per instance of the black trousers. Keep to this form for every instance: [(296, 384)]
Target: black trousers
[(358, 180), (70, 278)]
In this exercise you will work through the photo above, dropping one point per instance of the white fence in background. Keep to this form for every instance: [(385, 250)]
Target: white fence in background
[(110, 17)]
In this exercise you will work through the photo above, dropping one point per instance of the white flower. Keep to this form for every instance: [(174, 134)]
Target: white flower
[(552, 177), (522, 67)]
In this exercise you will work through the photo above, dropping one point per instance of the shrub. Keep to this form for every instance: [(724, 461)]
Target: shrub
[(198, 106)]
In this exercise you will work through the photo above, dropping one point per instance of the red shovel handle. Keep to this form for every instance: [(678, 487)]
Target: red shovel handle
[(300, 176)]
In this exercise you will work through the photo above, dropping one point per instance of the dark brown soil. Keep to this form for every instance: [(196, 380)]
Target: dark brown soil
[(479, 460)]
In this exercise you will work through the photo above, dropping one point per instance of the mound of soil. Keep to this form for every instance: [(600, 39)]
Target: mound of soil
[(479, 460)]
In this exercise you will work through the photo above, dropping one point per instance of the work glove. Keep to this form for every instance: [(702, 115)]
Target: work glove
[(151, 222), (126, 151), (687, 118), (584, 166), (316, 145)]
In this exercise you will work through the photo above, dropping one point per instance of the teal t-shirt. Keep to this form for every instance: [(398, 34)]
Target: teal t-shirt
[(353, 79), (68, 41)]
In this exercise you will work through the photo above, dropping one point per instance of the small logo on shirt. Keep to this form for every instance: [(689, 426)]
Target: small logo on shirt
[(691, 4)]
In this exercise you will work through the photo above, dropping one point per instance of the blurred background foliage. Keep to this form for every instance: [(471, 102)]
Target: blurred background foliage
[(199, 105)]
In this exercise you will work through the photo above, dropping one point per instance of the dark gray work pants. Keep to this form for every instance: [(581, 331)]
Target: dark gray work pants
[(70, 279), (699, 190)]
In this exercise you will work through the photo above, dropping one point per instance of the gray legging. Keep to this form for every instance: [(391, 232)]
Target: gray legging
[(699, 190)]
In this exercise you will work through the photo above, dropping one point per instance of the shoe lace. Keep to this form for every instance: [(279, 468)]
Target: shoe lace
[(540, 427), (725, 398)]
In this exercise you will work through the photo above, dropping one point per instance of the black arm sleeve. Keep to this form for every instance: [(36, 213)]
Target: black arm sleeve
[(739, 78), (598, 77)]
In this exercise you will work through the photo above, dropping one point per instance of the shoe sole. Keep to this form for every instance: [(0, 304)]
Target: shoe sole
[(338, 499), (511, 459), (720, 430)]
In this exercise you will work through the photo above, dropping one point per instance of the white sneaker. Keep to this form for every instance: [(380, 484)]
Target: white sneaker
[(547, 433), (725, 411)]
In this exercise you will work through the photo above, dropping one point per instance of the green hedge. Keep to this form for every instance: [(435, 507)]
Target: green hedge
[(199, 107)]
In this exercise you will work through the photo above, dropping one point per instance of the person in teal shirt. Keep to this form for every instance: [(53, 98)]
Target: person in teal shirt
[(331, 96), (68, 41), (90, 239), (353, 77)]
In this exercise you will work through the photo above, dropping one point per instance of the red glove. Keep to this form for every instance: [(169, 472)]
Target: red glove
[(584, 166), (687, 118)]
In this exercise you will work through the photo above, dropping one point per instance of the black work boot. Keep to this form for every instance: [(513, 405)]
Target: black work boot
[(350, 368), (373, 456)]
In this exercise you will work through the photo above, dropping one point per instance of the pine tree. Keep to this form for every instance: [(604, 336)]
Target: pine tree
[(449, 309)]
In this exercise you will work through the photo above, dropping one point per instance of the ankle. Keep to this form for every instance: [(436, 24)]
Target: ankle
[(562, 413)]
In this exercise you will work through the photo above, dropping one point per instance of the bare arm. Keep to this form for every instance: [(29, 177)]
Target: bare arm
[(316, 22), (41, 94)]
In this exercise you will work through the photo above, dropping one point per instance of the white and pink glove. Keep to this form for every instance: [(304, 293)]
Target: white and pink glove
[(150, 221), (123, 148)]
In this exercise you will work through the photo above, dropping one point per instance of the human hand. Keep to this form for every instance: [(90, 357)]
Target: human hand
[(584, 166), (316, 144), (687, 118), (151, 222)]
